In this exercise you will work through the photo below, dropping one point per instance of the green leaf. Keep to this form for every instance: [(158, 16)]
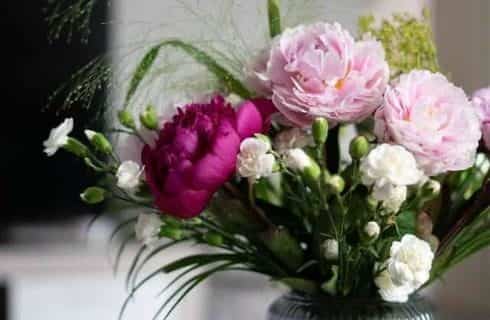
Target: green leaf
[(229, 82), (406, 222), (270, 190), (201, 259), (300, 284), (274, 13)]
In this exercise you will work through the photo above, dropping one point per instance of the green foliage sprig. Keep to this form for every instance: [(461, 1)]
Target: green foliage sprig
[(408, 41)]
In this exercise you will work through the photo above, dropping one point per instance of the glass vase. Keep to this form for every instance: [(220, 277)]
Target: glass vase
[(299, 306)]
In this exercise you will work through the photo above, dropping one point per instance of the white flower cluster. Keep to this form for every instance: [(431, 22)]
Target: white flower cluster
[(407, 269), (128, 176), (254, 160), (58, 137), (147, 228), (390, 169)]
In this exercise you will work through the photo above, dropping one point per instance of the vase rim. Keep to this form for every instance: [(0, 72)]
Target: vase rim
[(303, 297)]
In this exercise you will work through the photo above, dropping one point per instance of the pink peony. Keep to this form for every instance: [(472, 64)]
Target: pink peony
[(320, 71), (196, 152), (481, 100), (431, 118)]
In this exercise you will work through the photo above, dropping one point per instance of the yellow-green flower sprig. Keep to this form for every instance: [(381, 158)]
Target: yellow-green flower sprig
[(408, 41)]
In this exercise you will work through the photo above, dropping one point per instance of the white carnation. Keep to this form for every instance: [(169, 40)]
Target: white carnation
[(254, 160), (407, 269), (390, 164), (291, 139), (58, 137), (391, 292), (331, 249), (390, 169), (297, 159), (147, 229), (372, 229), (128, 175)]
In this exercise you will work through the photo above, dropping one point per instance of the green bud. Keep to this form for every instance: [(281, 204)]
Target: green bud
[(171, 232), (431, 189), (359, 147), (372, 203), (99, 142), (93, 195), (335, 183), (149, 118), (213, 239), (330, 286), (126, 119), (312, 173), (76, 147), (320, 131)]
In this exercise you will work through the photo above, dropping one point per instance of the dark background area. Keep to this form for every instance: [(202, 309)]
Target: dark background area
[(34, 187)]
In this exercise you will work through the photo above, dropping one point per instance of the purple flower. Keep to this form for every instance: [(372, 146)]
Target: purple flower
[(433, 119), (481, 100), (195, 153), (320, 71)]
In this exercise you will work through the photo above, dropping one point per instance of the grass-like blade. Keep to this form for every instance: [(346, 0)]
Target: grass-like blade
[(134, 263), (120, 252), (274, 14), (187, 287), (201, 259), (149, 256), (229, 82)]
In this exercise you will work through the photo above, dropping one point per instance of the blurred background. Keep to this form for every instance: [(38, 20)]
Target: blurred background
[(51, 266)]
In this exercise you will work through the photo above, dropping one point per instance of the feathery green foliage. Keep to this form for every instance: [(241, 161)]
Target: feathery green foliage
[(229, 82), (408, 41), (68, 17)]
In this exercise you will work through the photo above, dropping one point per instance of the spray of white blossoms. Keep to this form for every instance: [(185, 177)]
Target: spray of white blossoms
[(389, 169), (406, 270), (255, 160)]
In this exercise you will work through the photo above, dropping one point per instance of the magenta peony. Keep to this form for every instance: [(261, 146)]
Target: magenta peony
[(195, 153), (320, 71), (481, 100), (431, 118)]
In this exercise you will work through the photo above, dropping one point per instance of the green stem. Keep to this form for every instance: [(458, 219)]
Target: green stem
[(274, 17)]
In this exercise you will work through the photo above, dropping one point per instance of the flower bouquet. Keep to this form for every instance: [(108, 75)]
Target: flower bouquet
[(259, 170)]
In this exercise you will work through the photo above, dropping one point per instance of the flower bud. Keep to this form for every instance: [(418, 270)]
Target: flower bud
[(320, 131), (76, 147), (331, 249), (171, 232), (298, 160), (372, 203), (372, 230), (330, 286), (126, 119), (359, 147), (431, 189), (149, 118), (213, 239), (424, 225), (99, 142), (93, 195), (335, 183)]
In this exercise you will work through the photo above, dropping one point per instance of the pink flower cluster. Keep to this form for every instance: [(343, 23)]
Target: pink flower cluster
[(431, 118), (196, 152), (481, 100), (320, 71)]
